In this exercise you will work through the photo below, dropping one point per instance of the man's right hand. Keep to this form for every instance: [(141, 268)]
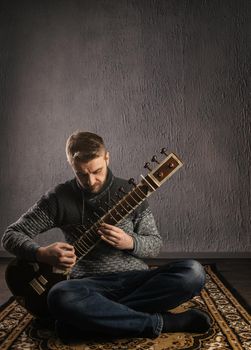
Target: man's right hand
[(60, 255)]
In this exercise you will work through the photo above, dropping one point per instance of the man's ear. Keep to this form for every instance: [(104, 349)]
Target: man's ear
[(107, 158)]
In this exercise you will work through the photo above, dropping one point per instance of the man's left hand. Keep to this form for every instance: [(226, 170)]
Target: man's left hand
[(116, 237)]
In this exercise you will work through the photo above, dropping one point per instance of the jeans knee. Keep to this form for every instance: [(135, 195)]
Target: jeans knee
[(62, 296), (194, 277), (56, 297)]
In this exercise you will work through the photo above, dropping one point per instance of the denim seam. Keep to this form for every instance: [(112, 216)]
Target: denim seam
[(159, 324)]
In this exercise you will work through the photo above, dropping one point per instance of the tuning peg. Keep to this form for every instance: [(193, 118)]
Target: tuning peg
[(108, 205), (90, 221), (121, 189), (113, 201), (100, 208), (131, 181), (163, 151), (154, 159), (96, 214), (147, 166), (117, 195)]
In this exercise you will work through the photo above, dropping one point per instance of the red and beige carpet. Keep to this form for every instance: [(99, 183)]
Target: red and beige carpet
[(231, 328)]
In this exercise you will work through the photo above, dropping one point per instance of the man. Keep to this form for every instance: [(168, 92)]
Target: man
[(111, 292)]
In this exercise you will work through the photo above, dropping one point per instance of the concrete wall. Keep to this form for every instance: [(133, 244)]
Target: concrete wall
[(144, 74)]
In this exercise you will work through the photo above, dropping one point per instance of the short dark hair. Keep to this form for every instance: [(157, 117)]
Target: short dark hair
[(84, 146)]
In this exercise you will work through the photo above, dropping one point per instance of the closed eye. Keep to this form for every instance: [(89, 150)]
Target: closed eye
[(85, 175), (81, 175)]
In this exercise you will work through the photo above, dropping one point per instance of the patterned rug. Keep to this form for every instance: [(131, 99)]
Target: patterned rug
[(231, 327)]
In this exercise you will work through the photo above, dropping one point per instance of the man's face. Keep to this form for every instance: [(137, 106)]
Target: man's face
[(92, 175)]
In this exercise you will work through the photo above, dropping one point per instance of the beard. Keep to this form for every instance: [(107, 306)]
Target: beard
[(95, 188)]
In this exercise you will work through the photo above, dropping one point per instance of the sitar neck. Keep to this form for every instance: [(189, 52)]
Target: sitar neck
[(150, 183)]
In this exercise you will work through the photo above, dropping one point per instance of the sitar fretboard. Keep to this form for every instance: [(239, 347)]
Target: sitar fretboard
[(89, 238)]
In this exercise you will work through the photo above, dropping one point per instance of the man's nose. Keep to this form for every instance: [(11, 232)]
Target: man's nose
[(91, 180)]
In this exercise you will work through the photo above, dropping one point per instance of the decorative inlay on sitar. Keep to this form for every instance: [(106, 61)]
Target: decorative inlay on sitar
[(30, 282)]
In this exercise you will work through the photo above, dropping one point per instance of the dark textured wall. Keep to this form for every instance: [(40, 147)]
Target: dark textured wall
[(144, 74)]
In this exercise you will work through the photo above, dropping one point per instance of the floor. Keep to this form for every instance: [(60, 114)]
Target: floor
[(236, 271)]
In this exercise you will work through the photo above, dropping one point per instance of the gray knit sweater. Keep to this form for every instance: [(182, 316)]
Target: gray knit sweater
[(69, 204)]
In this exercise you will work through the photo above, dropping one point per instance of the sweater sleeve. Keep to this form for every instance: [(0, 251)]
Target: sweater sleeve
[(18, 238), (147, 240)]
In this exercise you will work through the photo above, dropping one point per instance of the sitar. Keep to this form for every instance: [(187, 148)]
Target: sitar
[(30, 282)]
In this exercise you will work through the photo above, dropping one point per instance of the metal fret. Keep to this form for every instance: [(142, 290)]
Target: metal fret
[(129, 204), (124, 208), (84, 244), (80, 244), (117, 212), (134, 198), (78, 249), (138, 188), (148, 183), (144, 195), (110, 212), (89, 238)]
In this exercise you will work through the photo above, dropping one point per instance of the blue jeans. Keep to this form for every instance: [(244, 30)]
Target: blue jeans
[(127, 303)]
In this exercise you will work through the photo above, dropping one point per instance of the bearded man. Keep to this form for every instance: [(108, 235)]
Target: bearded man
[(111, 291)]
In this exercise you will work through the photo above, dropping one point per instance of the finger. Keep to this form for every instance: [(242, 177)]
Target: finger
[(65, 246), (110, 241), (105, 230), (67, 254), (66, 261), (65, 266), (108, 233), (110, 227)]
